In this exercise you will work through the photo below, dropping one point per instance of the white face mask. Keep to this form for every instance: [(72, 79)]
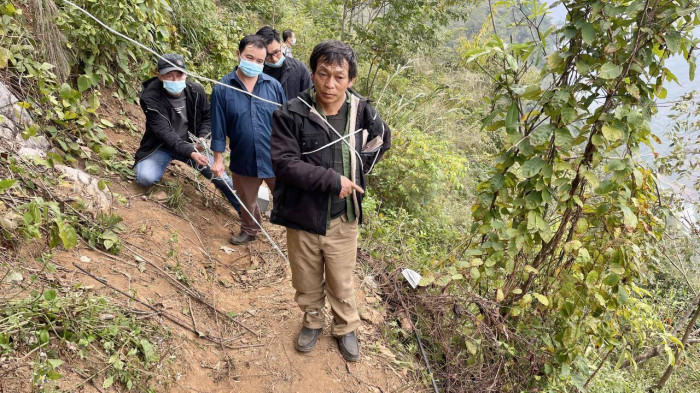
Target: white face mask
[(294, 41)]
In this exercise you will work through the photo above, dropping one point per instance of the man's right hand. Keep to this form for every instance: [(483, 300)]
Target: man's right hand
[(347, 186), (199, 158), (217, 168)]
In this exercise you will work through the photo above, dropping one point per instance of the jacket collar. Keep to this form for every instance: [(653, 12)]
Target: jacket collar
[(300, 107), (297, 106)]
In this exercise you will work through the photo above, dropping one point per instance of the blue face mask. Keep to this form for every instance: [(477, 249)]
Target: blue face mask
[(294, 41), (276, 65), (174, 88), (249, 68)]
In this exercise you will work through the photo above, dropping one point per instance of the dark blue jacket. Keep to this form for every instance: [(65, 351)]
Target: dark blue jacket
[(247, 122)]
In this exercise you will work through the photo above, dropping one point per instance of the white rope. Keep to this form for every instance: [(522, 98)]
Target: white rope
[(196, 140), (334, 142), (267, 235), (202, 141), (208, 79), (341, 138), (164, 59)]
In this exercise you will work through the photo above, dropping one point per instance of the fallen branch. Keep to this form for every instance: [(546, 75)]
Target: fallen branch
[(167, 316), (189, 291)]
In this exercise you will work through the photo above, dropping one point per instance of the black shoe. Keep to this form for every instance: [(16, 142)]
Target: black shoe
[(349, 347), (307, 339), (241, 238)]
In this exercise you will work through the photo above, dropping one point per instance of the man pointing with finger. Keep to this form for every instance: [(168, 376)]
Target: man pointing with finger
[(320, 181)]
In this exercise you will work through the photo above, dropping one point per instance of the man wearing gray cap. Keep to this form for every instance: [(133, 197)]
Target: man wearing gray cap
[(175, 107)]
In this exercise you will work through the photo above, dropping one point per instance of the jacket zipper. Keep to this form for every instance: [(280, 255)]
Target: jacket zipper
[(169, 123)]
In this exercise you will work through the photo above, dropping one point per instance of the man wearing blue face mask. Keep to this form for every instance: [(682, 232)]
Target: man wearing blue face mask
[(291, 73), (174, 107), (247, 122)]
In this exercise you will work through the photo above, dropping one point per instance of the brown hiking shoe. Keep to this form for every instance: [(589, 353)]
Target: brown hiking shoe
[(349, 347), (307, 339), (241, 238)]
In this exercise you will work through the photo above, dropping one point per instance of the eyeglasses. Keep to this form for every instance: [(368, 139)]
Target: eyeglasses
[(274, 54)]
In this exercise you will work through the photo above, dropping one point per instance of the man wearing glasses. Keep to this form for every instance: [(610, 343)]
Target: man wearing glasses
[(291, 73)]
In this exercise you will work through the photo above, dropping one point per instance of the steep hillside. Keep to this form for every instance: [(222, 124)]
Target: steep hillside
[(176, 271)]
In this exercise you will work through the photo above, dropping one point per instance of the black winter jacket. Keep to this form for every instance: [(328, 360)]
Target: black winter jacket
[(159, 131), (304, 182), (295, 77)]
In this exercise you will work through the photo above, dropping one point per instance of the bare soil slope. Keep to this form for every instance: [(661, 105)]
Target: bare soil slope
[(180, 263)]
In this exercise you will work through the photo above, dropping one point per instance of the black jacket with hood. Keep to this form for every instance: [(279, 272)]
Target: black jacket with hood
[(295, 77), (159, 131), (305, 182)]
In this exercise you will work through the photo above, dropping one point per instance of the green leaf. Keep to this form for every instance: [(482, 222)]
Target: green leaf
[(622, 295), (563, 138), (532, 167), (616, 165), (43, 336), (610, 71), (673, 42), (65, 92), (670, 357), (541, 298), (611, 133), (692, 65), (84, 83), (148, 352), (474, 273), (588, 33), (109, 239), (512, 117), (107, 152), (611, 280), (5, 184), (5, 56), (67, 234), (50, 294), (661, 92), (592, 277), (52, 375), (541, 134), (630, 219), (109, 381), (54, 363), (499, 295)]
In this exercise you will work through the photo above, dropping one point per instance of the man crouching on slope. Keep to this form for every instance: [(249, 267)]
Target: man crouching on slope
[(175, 107), (318, 194)]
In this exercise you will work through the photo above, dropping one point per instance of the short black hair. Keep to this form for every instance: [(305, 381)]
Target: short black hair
[(334, 52), (287, 34), (268, 34), (255, 40)]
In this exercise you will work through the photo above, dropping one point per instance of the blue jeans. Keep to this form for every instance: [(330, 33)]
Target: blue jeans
[(150, 170)]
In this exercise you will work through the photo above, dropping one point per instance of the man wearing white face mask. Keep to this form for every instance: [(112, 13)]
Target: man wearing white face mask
[(247, 122), (173, 107), (291, 73)]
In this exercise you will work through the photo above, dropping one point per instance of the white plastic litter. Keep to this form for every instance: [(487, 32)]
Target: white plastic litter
[(263, 198), (412, 277)]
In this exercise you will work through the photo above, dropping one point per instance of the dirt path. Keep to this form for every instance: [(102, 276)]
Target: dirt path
[(164, 249)]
